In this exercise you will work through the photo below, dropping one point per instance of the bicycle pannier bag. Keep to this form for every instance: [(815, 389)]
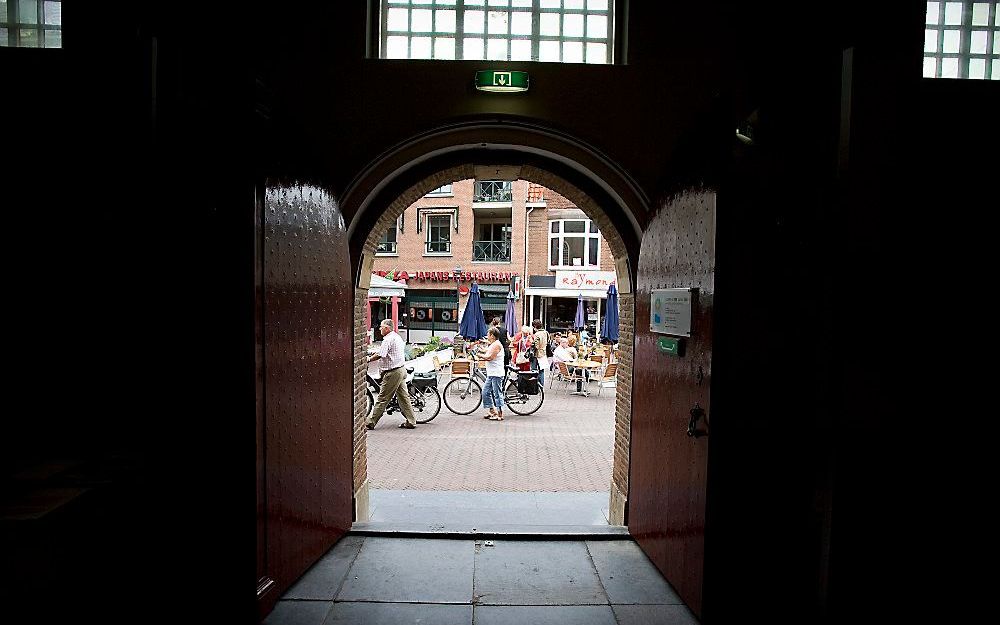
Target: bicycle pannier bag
[(527, 383)]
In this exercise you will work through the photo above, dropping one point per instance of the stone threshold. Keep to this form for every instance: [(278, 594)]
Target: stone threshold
[(499, 531)]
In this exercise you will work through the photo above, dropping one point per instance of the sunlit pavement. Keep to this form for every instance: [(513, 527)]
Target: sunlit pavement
[(566, 446)]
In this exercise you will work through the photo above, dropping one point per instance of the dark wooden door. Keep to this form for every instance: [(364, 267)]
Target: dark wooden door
[(668, 467), (304, 500)]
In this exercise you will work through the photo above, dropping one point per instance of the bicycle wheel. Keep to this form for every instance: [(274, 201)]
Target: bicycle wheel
[(520, 403), (463, 395), (370, 402), (429, 403)]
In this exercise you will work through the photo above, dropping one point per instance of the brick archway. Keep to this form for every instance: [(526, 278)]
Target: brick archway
[(373, 195)]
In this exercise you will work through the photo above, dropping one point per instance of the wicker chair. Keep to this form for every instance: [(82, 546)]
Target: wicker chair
[(565, 375), (609, 375)]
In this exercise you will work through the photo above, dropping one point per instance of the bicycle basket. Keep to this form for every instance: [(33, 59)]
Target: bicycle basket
[(424, 380), (527, 382)]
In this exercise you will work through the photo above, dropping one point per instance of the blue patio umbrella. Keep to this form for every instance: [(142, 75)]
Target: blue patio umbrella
[(509, 320), (580, 319), (609, 324), (473, 325)]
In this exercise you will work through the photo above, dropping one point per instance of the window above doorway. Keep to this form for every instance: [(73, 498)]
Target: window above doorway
[(962, 40), (30, 24), (558, 31)]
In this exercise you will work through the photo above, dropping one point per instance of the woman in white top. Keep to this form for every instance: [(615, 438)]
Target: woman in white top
[(493, 390)]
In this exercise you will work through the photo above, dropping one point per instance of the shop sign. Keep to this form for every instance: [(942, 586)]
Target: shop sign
[(450, 276), (576, 280)]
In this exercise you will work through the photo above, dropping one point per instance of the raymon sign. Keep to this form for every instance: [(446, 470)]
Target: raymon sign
[(585, 279), (451, 276)]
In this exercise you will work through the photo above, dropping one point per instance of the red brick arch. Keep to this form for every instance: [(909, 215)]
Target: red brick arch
[(376, 205)]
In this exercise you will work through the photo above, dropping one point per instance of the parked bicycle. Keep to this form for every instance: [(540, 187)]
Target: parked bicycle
[(424, 396), (464, 394)]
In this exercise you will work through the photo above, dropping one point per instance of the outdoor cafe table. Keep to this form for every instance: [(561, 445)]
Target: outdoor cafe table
[(582, 364)]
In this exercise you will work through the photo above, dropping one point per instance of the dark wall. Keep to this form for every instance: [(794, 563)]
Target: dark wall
[(132, 285), (132, 336)]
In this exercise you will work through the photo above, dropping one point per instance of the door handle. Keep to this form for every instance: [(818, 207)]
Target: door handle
[(697, 413)]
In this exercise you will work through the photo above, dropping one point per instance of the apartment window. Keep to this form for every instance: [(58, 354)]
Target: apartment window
[(442, 190), (438, 235), (492, 191), (561, 31), (387, 244), (30, 24), (493, 242), (574, 243), (962, 40)]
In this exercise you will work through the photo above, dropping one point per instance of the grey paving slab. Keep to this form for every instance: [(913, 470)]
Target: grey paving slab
[(399, 614), (323, 580), (411, 570), (627, 574), (298, 613), (536, 573), (654, 615), (544, 615), (474, 508)]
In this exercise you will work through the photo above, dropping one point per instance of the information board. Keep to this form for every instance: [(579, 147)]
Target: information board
[(670, 311)]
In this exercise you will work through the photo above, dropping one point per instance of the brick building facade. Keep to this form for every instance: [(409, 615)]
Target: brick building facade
[(506, 236)]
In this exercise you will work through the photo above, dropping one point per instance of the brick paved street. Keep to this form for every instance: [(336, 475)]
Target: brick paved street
[(565, 446)]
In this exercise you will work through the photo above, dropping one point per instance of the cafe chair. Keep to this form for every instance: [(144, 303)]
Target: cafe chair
[(461, 368), (566, 376), (608, 378), (438, 365)]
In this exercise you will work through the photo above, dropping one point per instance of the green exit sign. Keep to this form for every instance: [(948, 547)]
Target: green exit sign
[(671, 346), (502, 81)]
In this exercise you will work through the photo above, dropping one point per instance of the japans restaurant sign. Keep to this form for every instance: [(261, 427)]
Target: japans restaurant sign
[(585, 280), (450, 276)]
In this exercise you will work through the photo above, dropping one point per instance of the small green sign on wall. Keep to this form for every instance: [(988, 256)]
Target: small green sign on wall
[(502, 81), (669, 345)]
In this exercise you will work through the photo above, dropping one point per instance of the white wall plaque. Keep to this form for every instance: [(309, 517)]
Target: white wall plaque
[(670, 311)]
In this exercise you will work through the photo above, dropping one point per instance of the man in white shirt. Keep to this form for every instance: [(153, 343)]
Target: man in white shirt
[(564, 353), (391, 357)]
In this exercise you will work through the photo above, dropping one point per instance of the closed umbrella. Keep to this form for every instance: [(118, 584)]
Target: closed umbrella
[(580, 319), (609, 325), (473, 325), (509, 320)]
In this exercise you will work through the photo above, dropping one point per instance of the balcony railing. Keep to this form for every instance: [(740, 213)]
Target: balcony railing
[(386, 247), (492, 191), (438, 247), (491, 251)]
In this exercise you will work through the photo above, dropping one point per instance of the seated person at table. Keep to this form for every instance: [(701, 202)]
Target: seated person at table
[(564, 353)]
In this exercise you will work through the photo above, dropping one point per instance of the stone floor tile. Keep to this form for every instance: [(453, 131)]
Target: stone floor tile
[(298, 613), (411, 570), (323, 580), (627, 574), (654, 615), (399, 614), (544, 615), (536, 573)]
